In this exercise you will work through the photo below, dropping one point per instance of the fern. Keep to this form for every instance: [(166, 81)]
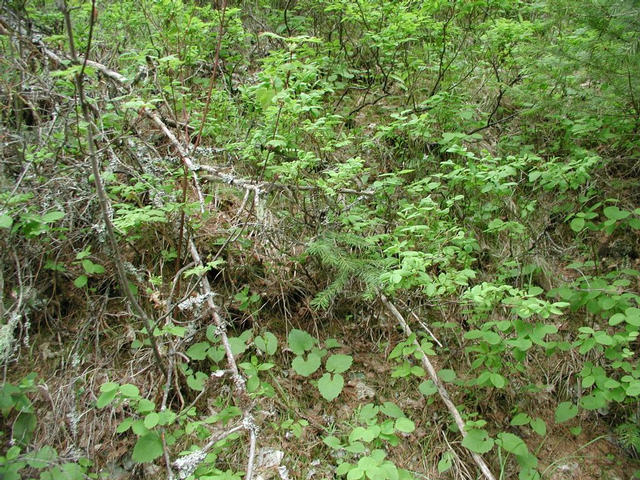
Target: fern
[(350, 257), (628, 435)]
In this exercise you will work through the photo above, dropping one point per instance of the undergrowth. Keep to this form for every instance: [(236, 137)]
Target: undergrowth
[(319, 239)]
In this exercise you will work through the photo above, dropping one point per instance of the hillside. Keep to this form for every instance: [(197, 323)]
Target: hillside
[(316, 239)]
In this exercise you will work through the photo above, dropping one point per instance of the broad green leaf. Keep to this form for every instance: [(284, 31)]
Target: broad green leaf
[(497, 380), (300, 341), (109, 386), (268, 343), (23, 427), (391, 410), (145, 406), (565, 412), (332, 442), (539, 426), (129, 390), (106, 398), (306, 367), (147, 448), (81, 281), (427, 388), (151, 420), (593, 401), (196, 382), (330, 387), (90, 267), (616, 319), (5, 221), (198, 351), (512, 443), (632, 316), (339, 363), (633, 390), (577, 224), (365, 434), (355, 474), (447, 375), (238, 345), (478, 441), (40, 459), (124, 425), (166, 417), (72, 471), (614, 213), (404, 425), (445, 462), (52, 216), (520, 419), (332, 343)]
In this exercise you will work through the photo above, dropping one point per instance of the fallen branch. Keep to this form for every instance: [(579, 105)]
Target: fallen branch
[(105, 205), (442, 391)]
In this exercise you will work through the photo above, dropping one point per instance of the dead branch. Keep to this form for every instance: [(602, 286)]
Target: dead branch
[(442, 391)]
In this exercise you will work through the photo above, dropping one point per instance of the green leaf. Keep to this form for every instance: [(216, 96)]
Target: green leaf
[(497, 380), (166, 417), (23, 427), (478, 441), (306, 367), (513, 444), (41, 459), (151, 420), (268, 343), (52, 216), (614, 213), (447, 375), (522, 344), (72, 471), (330, 387), (427, 388), (145, 406), (198, 351), (577, 224), (300, 341), (129, 390), (147, 448), (633, 316), (565, 411), (539, 426), (124, 425), (404, 425), (355, 474), (332, 343), (332, 442), (196, 382), (366, 434), (106, 398), (392, 410), (593, 401), (5, 221), (445, 462), (81, 281), (109, 386), (92, 268), (520, 419), (633, 390), (616, 319), (238, 345), (339, 363)]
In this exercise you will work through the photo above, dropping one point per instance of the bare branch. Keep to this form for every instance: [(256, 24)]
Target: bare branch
[(442, 391)]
